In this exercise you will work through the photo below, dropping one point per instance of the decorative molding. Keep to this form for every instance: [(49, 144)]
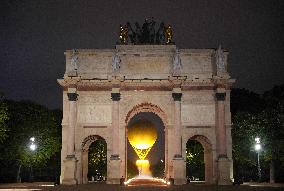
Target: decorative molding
[(178, 157), (115, 96), (86, 126), (222, 156), (115, 157), (199, 126), (177, 96), (89, 140), (147, 107), (70, 157), (72, 96), (220, 96)]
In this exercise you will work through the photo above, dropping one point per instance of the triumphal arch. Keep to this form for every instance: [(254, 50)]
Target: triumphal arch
[(188, 89)]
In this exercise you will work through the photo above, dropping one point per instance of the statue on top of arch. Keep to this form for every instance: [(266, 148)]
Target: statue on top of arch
[(147, 34), (221, 65)]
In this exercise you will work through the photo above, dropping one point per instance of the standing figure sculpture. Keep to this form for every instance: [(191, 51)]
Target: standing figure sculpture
[(115, 62), (177, 63), (152, 31), (131, 34), (169, 34), (74, 60), (220, 60), (160, 36), (146, 32), (123, 34)]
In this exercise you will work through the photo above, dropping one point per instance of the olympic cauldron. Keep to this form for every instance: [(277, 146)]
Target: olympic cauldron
[(142, 135)]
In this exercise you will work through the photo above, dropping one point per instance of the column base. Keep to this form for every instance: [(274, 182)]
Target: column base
[(179, 170), (70, 167), (224, 171), (114, 170)]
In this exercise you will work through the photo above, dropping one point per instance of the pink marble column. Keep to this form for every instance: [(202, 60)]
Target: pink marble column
[(177, 124), (115, 125), (221, 129), (72, 97)]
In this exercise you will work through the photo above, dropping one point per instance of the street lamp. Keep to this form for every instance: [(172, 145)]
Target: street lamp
[(33, 147), (257, 147)]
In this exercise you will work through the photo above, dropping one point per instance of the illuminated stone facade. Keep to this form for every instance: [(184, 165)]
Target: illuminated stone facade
[(188, 89)]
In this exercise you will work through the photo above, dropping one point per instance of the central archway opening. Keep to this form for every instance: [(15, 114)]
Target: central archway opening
[(156, 154)]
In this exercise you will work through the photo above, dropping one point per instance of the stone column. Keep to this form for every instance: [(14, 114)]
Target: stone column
[(221, 129), (179, 169), (70, 163), (114, 174), (115, 124), (72, 97), (223, 161), (177, 124)]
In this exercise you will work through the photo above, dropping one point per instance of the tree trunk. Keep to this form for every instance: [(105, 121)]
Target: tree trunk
[(19, 174), (272, 171)]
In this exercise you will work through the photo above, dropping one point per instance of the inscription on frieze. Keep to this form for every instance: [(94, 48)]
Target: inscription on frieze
[(95, 114), (146, 65)]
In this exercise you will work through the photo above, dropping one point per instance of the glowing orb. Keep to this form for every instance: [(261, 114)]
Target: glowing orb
[(142, 136)]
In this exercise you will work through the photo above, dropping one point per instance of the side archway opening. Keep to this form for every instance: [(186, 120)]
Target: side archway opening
[(199, 159), (94, 159)]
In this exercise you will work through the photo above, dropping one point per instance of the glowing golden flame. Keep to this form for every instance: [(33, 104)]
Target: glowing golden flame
[(142, 136)]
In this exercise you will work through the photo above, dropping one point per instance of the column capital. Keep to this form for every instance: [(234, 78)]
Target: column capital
[(223, 156), (220, 96), (72, 96), (115, 96), (177, 96)]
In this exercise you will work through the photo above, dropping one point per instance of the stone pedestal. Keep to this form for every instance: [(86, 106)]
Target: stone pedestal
[(70, 165), (224, 171), (114, 170), (179, 171), (85, 167)]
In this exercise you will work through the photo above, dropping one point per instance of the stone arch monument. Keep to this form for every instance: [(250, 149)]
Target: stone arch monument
[(104, 88)]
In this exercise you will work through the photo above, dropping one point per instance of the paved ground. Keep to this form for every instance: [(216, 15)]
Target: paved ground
[(104, 187)]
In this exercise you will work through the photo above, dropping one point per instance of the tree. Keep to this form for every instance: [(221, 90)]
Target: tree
[(260, 116), (195, 159), (3, 119), (274, 123), (28, 119), (98, 157)]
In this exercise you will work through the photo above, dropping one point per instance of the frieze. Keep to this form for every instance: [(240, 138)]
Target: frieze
[(95, 114), (195, 115), (95, 98), (198, 98)]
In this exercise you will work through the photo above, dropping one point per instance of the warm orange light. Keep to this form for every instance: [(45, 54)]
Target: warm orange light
[(143, 167), (142, 136)]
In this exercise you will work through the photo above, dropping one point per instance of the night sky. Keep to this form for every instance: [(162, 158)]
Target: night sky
[(35, 34)]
